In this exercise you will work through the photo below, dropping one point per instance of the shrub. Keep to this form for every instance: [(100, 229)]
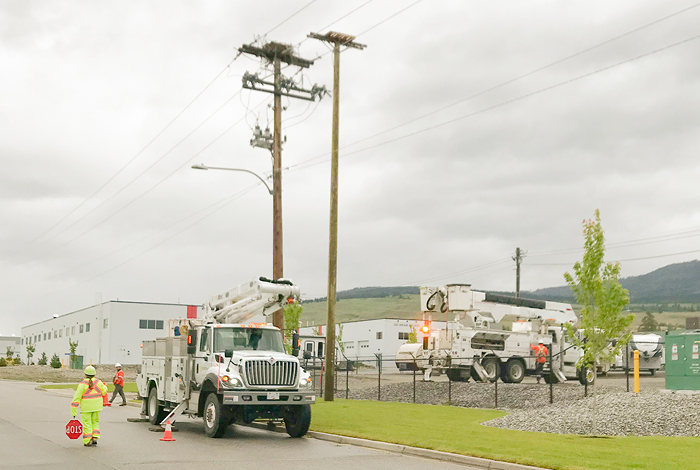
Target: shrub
[(3, 362), (42, 360), (56, 362)]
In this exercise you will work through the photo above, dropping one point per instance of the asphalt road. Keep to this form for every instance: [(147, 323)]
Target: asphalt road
[(32, 433)]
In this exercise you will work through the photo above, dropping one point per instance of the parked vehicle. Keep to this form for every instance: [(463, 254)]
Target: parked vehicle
[(226, 369)]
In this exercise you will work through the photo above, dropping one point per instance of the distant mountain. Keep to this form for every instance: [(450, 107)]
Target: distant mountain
[(678, 282), (675, 283)]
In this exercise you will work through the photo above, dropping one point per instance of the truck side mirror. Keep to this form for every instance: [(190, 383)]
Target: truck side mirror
[(228, 352), (192, 342), (295, 344), (307, 354)]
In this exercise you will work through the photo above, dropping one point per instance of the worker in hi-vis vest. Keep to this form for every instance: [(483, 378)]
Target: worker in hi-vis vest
[(118, 382), (541, 353), (89, 396)]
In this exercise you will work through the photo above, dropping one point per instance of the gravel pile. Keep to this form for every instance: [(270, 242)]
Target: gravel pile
[(478, 395), (617, 414)]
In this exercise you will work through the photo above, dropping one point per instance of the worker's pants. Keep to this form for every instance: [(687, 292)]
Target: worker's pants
[(91, 425), (538, 369), (118, 389)]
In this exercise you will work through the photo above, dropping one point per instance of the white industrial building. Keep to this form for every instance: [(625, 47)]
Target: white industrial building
[(13, 342), (363, 339), (106, 333)]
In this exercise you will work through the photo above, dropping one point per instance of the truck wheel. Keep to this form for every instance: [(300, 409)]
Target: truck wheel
[(492, 367), (155, 410), (459, 374), (215, 423), (298, 420), (586, 375), (652, 372), (515, 371)]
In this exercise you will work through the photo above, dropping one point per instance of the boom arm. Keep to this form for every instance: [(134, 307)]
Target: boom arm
[(243, 302)]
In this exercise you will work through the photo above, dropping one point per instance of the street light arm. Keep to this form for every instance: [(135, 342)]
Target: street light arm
[(204, 167)]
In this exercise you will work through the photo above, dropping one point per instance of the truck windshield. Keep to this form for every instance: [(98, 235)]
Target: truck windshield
[(247, 339)]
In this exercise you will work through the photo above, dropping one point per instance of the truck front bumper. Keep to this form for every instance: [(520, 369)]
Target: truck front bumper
[(261, 397)]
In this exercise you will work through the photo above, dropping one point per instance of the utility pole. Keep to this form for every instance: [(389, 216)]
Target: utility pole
[(276, 53), (518, 258), (338, 40)]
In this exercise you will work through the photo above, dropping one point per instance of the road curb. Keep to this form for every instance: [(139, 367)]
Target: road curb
[(419, 452)]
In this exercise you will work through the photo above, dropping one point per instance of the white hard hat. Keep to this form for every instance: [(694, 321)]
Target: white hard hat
[(117, 365)]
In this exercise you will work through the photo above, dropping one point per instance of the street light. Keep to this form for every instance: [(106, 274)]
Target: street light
[(204, 167)]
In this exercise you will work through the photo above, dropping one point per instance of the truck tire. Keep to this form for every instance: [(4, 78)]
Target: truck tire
[(298, 420), (515, 371), (493, 368), (459, 374), (586, 375), (155, 410), (215, 421)]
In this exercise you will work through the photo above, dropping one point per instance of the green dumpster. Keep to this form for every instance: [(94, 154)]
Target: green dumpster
[(683, 360)]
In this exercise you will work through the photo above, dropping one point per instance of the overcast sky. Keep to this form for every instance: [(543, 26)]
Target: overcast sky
[(452, 152)]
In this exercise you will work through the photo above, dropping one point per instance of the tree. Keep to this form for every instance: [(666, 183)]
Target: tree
[(292, 316), (56, 361), (30, 353), (73, 345), (649, 323), (42, 360), (412, 335), (596, 286), (10, 352)]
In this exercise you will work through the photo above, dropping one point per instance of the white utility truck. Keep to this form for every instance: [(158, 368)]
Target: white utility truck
[(651, 353), (475, 344), (225, 368)]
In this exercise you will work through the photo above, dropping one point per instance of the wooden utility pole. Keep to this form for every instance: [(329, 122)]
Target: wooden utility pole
[(276, 53), (518, 258), (338, 40)]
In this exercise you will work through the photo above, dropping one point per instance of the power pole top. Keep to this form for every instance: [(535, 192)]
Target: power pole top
[(276, 50), (337, 38)]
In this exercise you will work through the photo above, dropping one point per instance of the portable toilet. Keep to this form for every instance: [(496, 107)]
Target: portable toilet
[(683, 360)]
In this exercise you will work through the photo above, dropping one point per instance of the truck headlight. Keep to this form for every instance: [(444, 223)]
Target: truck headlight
[(305, 382), (231, 382)]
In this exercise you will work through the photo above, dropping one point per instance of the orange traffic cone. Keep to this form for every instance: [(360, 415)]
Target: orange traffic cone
[(105, 402), (168, 434)]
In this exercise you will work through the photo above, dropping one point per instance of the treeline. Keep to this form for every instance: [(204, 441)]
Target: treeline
[(371, 293)]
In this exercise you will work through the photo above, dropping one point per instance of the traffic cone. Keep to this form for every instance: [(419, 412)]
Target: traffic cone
[(105, 402), (168, 434)]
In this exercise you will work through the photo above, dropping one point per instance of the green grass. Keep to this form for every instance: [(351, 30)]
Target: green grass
[(128, 387), (458, 430)]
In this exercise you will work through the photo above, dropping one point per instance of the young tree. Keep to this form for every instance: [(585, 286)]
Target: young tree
[(30, 353), (72, 345), (56, 361), (42, 360), (649, 323), (596, 286), (292, 316), (412, 335), (10, 352)]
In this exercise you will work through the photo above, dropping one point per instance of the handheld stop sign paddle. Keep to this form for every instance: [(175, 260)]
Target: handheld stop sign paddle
[(74, 429)]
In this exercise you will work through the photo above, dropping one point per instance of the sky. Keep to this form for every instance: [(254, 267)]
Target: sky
[(467, 129)]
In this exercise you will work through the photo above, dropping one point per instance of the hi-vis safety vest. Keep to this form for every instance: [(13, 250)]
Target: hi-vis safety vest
[(541, 352), (90, 400)]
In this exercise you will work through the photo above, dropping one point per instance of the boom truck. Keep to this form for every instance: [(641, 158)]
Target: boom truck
[(225, 368), (475, 343)]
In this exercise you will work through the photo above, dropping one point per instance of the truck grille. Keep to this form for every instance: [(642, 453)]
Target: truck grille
[(259, 372)]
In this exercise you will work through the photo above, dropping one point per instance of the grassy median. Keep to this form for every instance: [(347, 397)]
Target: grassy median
[(459, 430), (129, 387)]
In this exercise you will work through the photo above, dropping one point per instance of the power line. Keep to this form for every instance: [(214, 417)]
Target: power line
[(290, 17), (390, 17), (508, 82), (131, 160), (299, 166), (457, 273), (621, 260)]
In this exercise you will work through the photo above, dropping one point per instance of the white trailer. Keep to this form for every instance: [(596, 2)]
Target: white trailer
[(226, 369), (475, 345), (651, 353)]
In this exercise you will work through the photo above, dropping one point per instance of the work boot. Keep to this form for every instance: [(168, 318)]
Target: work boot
[(123, 404)]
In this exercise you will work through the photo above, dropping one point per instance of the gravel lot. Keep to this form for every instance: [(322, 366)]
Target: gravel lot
[(48, 374)]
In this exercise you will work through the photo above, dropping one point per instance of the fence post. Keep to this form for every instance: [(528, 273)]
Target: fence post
[(449, 390), (313, 368), (379, 376), (322, 374), (414, 385), (347, 378), (627, 365), (495, 387), (335, 370), (551, 377)]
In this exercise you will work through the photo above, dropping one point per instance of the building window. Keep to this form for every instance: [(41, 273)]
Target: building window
[(87, 328), (22, 340), (403, 335), (105, 322), (72, 330), (81, 328), (379, 335), (143, 324), (55, 334), (44, 336), (151, 324), (159, 324), (60, 333)]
